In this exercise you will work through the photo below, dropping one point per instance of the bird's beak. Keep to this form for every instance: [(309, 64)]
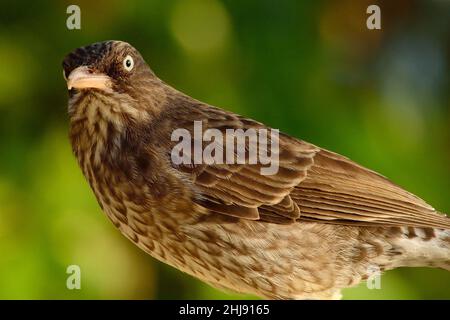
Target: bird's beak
[(83, 78)]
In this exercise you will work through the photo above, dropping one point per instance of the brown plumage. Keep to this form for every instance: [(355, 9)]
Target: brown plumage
[(321, 223)]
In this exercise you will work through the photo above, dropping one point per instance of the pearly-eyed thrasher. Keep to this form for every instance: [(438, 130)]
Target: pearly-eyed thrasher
[(319, 224)]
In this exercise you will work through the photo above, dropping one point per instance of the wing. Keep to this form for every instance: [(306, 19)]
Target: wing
[(310, 184), (241, 190), (337, 190)]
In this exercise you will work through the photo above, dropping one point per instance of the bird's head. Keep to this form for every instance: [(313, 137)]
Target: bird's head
[(114, 70), (108, 66)]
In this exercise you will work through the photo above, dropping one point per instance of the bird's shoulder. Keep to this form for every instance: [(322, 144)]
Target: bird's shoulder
[(234, 188)]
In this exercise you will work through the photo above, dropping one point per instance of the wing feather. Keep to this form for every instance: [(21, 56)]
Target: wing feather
[(340, 191), (312, 184)]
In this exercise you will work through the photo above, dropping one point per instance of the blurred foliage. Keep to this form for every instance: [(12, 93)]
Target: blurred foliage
[(310, 68)]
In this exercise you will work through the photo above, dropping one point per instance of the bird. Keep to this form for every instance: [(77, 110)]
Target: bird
[(318, 224)]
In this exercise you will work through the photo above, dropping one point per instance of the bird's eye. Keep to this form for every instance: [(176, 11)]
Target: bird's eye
[(128, 63)]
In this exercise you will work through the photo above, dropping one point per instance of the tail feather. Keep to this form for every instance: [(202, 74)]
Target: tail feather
[(424, 247)]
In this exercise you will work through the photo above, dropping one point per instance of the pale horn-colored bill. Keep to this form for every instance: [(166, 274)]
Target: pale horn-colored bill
[(82, 78)]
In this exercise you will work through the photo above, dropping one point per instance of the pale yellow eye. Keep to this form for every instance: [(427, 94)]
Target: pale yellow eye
[(128, 63)]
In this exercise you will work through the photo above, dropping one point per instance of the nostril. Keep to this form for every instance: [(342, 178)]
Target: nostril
[(71, 61), (85, 56)]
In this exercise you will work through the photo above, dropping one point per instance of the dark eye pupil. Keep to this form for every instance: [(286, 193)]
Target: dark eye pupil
[(128, 63)]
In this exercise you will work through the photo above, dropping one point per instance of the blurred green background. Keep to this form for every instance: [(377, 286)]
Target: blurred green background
[(310, 68)]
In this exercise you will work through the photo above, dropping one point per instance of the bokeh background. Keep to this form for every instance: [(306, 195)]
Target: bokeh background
[(310, 68)]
